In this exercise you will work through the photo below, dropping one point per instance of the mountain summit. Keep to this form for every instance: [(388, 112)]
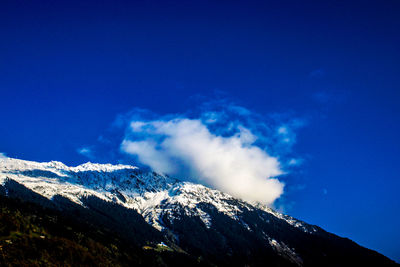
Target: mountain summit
[(153, 211)]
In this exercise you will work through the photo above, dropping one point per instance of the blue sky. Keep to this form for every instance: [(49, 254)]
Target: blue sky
[(74, 73)]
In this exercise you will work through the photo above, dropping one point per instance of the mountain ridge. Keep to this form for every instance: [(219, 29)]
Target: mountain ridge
[(107, 177), (188, 215)]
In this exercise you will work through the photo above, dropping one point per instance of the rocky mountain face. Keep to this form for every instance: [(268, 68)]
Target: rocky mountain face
[(153, 211)]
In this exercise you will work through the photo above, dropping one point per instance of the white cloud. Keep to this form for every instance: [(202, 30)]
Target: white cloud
[(295, 162), (149, 155), (187, 148), (286, 134), (86, 151)]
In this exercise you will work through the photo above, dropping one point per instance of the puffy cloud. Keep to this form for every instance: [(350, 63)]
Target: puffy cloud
[(230, 162), (147, 153), (217, 143)]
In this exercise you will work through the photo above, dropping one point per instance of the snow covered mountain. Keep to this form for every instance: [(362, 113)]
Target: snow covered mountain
[(190, 217), (151, 194)]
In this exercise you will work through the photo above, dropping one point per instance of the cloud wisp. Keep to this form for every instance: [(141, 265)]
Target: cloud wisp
[(86, 151), (214, 148)]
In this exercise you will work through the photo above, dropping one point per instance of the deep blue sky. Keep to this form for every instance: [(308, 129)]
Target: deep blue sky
[(67, 69)]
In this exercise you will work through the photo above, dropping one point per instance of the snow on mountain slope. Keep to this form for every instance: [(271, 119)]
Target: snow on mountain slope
[(192, 218), (153, 195)]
